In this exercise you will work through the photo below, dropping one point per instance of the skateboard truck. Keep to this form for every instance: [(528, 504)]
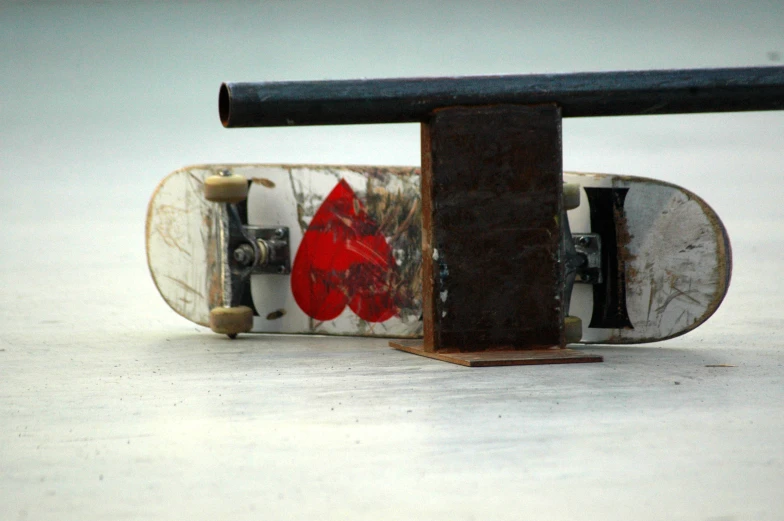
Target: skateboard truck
[(492, 182), (257, 250), (586, 261), (249, 249)]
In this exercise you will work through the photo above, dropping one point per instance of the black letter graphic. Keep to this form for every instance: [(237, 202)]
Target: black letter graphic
[(609, 297)]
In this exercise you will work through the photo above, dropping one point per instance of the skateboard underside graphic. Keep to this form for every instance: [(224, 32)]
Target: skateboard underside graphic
[(353, 233)]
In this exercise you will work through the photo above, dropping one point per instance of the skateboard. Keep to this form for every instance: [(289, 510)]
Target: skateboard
[(337, 250)]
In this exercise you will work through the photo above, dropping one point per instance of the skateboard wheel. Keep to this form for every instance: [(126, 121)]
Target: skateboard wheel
[(231, 321), (231, 188), (571, 195), (573, 329)]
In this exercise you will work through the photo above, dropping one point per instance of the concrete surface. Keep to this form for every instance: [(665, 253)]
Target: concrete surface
[(112, 407)]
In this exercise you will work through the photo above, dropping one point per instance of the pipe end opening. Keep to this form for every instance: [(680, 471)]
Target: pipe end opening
[(224, 104)]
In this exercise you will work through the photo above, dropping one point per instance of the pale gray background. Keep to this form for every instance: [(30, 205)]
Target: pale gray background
[(113, 407)]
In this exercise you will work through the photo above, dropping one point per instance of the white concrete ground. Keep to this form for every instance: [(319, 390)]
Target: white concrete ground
[(113, 407)]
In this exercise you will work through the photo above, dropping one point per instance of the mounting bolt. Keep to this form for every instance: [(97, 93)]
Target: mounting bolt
[(280, 233), (282, 270), (585, 241), (244, 254)]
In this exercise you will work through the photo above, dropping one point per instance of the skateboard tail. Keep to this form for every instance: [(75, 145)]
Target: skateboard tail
[(722, 269), (667, 264), (186, 254)]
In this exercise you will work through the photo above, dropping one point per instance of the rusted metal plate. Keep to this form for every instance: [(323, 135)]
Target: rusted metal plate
[(491, 201), (500, 357)]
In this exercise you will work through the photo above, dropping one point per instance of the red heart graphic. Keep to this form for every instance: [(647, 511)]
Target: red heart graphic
[(344, 259)]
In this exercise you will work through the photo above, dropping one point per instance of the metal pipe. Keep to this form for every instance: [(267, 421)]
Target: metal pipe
[(626, 93)]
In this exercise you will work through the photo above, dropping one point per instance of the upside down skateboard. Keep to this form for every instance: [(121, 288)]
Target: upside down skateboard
[(337, 250)]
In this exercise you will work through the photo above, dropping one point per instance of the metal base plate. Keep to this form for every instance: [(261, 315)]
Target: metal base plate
[(501, 357)]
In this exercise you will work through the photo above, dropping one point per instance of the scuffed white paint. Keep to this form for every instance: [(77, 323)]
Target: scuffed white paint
[(306, 187), (674, 275), (183, 236), (675, 271)]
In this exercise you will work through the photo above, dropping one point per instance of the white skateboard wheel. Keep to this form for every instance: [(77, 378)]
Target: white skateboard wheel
[(571, 195), (231, 188), (573, 329), (231, 321)]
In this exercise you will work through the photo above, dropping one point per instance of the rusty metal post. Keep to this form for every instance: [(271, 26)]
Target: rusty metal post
[(491, 210)]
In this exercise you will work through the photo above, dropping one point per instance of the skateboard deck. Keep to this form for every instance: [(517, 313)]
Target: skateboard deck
[(354, 235)]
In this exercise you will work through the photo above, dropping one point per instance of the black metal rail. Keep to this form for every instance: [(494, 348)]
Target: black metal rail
[(625, 93)]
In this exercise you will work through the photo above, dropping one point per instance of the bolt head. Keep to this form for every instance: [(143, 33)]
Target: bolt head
[(243, 254)]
